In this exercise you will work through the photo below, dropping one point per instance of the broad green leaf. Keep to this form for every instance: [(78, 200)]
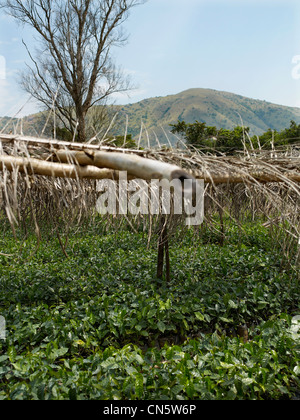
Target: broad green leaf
[(227, 320), (199, 316), (262, 305), (161, 326), (232, 304), (226, 365), (12, 353), (41, 392), (79, 343), (139, 386), (297, 370), (139, 359), (248, 381)]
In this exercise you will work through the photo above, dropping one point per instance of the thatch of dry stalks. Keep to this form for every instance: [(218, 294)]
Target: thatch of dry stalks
[(46, 180)]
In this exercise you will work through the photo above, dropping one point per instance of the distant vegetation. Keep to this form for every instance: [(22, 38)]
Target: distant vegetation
[(208, 138)]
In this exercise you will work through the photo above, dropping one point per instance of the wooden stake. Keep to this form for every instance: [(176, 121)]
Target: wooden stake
[(163, 250)]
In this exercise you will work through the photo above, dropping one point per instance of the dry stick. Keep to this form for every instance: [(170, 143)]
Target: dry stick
[(54, 122), (61, 244), (110, 126), (37, 229), (8, 210), (54, 97), (147, 136), (75, 131), (160, 256), (179, 140), (166, 242), (244, 139), (140, 136), (156, 138), (17, 113), (126, 131), (221, 212), (168, 140)]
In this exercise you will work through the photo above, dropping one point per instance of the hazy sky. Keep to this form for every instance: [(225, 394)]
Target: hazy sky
[(249, 47)]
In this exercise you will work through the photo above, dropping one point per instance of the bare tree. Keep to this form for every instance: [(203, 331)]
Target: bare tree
[(72, 66)]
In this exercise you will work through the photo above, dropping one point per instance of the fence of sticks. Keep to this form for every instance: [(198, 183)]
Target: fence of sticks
[(55, 183)]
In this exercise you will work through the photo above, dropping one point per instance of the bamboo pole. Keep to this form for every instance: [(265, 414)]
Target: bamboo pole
[(143, 168), (246, 176), (220, 170), (93, 168), (56, 170), (136, 166)]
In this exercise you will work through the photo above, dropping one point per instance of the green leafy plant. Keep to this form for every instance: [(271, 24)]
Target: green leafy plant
[(101, 326)]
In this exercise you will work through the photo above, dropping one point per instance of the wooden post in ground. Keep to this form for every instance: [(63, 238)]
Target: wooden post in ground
[(163, 250)]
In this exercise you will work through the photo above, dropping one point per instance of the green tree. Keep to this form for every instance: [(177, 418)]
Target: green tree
[(231, 140), (266, 139), (197, 134), (290, 135), (200, 135)]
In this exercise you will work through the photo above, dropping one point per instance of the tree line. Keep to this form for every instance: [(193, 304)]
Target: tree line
[(210, 138)]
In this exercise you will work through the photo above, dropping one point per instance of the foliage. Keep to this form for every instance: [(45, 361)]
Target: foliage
[(210, 367), (289, 135), (62, 133), (99, 325), (199, 135), (119, 141)]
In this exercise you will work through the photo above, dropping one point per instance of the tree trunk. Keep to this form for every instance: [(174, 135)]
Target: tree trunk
[(81, 127)]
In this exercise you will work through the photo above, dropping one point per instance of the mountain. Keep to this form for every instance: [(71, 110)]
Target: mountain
[(216, 108)]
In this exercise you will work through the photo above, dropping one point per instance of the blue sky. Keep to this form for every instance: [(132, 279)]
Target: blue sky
[(248, 47)]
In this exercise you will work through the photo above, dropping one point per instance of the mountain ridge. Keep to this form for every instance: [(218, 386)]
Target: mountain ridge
[(216, 108), (149, 120)]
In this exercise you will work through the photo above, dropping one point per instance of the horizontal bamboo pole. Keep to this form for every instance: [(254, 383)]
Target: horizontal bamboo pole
[(228, 177), (135, 166), (90, 171), (112, 158), (85, 160), (128, 162), (56, 170)]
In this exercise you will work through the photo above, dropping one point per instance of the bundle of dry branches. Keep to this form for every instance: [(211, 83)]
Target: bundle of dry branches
[(48, 179), (144, 164)]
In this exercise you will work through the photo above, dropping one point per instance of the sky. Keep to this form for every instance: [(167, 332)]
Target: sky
[(247, 47)]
